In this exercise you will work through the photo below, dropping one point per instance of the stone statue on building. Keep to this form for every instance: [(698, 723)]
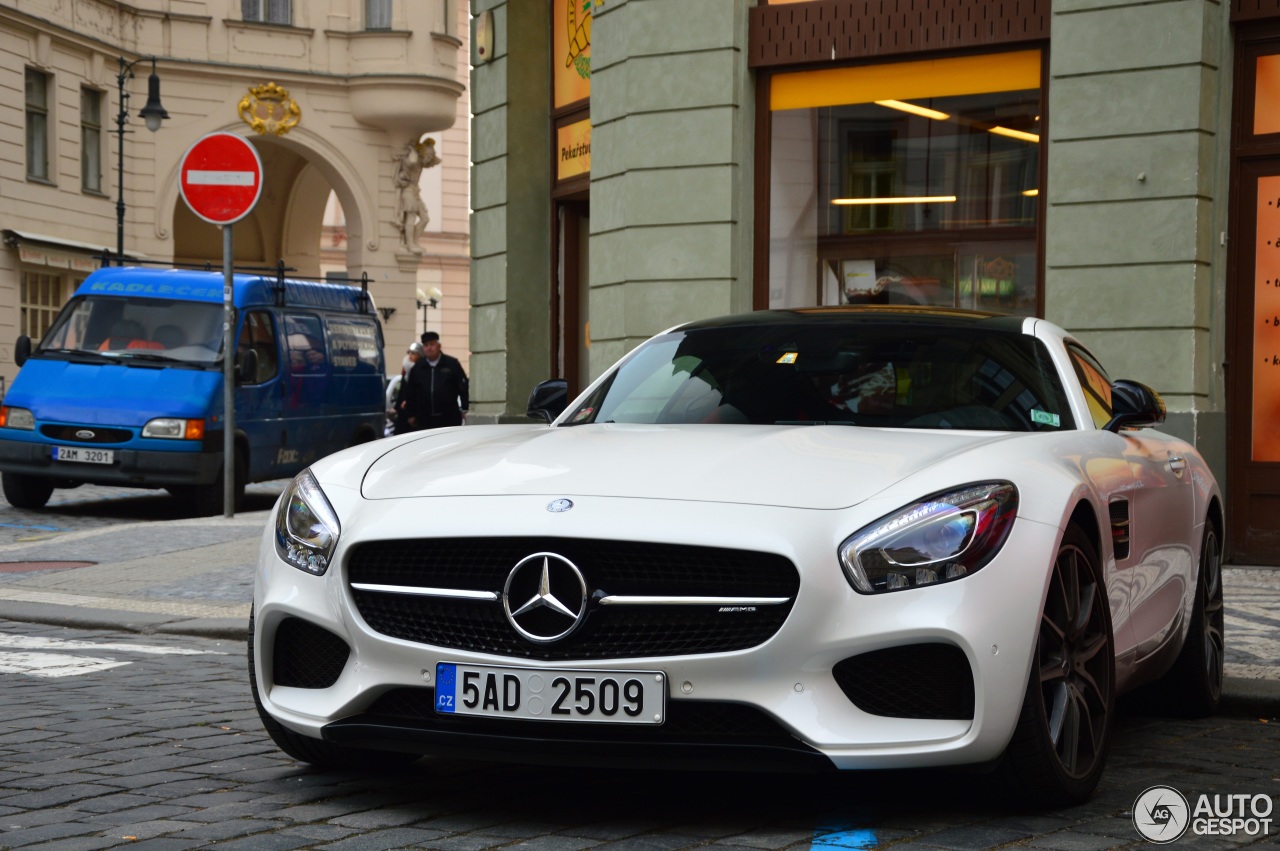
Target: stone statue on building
[(411, 212)]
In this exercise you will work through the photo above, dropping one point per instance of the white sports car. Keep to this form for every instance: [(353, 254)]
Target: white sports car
[(831, 538)]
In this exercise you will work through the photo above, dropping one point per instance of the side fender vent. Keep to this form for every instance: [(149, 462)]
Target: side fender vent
[(1119, 510)]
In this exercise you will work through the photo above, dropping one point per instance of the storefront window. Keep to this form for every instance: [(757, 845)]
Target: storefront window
[(914, 182)]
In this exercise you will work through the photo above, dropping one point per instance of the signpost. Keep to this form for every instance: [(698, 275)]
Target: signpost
[(221, 179)]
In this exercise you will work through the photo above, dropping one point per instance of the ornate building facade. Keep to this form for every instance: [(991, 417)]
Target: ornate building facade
[(332, 96)]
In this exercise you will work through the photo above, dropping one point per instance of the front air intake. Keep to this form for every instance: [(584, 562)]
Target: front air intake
[(927, 681), (307, 656)]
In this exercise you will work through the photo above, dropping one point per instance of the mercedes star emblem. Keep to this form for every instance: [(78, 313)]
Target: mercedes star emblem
[(545, 597), (558, 505)]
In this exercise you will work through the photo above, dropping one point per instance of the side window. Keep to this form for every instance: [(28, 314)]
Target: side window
[(354, 345), (305, 339), (258, 333), (1095, 383)]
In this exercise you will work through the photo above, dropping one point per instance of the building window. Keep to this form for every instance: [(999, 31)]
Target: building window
[(40, 301), (37, 125), (267, 11), (377, 14), (907, 183), (91, 140)]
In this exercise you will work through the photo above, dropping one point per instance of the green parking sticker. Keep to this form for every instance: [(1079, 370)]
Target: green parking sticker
[(1045, 418)]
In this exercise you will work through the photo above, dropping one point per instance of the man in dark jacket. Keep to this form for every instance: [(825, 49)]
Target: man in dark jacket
[(437, 391)]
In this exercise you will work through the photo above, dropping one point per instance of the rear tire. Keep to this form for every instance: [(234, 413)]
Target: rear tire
[(1059, 747), (1193, 686), (23, 491), (318, 752)]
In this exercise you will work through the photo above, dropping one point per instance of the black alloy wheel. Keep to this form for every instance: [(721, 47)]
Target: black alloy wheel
[(1193, 686), (1059, 747)]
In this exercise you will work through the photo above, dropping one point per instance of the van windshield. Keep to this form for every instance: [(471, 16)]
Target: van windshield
[(143, 329)]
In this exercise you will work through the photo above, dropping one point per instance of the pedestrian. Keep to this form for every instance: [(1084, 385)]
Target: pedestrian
[(437, 388), (401, 401)]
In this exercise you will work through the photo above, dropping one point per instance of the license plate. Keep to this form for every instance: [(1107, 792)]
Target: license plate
[(83, 454), (610, 697)]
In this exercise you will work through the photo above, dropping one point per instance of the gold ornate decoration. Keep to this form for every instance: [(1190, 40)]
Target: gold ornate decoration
[(269, 109)]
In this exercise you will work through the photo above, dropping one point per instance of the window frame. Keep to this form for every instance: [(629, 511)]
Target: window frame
[(267, 12), (91, 142), (376, 12), (38, 121)]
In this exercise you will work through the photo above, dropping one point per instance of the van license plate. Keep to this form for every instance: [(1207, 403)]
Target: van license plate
[(83, 454), (618, 697)]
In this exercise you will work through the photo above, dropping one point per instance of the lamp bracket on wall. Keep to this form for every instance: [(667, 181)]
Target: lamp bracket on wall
[(386, 312)]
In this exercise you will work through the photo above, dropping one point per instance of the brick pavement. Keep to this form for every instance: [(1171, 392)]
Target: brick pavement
[(167, 754)]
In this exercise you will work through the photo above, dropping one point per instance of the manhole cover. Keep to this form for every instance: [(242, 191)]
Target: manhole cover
[(26, 566)]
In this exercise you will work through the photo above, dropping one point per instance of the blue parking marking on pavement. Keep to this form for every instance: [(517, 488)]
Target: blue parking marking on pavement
[(844, 837), (40, 528)]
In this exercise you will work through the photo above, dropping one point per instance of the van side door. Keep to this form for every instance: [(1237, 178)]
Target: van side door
[(307, 405), (258, 400), (359, 380)]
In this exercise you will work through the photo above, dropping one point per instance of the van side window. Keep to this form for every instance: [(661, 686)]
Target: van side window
[(306, 344), (258, 333), (354, 344)]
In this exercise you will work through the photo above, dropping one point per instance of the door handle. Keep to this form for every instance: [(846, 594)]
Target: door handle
[(1177, 464)]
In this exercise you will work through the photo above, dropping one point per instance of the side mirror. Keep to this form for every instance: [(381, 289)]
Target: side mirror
[(548, 400), (247, 367), (1134, 405), (22, 350)]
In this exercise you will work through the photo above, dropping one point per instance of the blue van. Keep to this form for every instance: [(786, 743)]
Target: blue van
[(126, 386)]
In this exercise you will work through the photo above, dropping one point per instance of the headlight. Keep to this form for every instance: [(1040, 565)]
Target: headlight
[(17, 418), (942, 537), (174, 429), (307, 527)]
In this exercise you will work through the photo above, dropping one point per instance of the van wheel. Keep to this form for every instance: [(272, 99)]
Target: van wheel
[(318, 752), (206, 500), (26, 491)]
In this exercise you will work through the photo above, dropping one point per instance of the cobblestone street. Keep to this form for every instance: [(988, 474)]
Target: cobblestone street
[(164, 751)]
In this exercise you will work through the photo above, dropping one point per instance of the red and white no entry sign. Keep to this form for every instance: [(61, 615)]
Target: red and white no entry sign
[(221, 178)]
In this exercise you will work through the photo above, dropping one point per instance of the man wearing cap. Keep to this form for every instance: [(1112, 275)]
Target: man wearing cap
[(437, 391)]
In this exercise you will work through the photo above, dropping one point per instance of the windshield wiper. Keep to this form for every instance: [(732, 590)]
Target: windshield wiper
[(86, 354)]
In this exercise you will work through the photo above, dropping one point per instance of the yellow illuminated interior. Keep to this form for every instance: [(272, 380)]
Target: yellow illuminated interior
[(906, 81)]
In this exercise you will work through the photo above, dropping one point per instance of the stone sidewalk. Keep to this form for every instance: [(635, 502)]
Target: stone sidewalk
[(195, 577)]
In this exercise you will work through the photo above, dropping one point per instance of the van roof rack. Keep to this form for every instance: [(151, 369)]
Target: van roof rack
[(279, 270)]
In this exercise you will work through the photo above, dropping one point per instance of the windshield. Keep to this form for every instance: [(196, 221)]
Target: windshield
[(904, 376), (100, 327)]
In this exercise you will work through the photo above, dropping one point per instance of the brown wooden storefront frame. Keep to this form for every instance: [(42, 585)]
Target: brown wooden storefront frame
[(823, 33)]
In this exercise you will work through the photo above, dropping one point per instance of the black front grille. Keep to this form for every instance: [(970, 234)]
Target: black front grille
[(307, 656), (86, 434), (687, 721), (609, 567), (915, 681)]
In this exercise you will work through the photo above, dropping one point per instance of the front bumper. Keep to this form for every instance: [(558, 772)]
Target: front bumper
[(788, 685), (130, 467)]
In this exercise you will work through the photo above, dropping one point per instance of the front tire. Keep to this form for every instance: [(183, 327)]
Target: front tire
[(1059, 747), (23, 491)]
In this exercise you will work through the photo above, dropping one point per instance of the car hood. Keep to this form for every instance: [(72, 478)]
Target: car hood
[(818, 467), (111, 394)]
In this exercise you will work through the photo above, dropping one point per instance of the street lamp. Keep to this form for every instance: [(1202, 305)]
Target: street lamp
[(431, 298), (153, 113)]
